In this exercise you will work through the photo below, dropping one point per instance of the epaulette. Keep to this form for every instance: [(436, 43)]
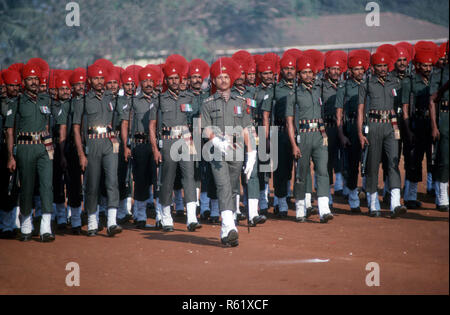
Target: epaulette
[(209, 99)]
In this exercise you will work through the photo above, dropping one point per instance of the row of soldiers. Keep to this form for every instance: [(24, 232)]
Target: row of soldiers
[(102, 135)]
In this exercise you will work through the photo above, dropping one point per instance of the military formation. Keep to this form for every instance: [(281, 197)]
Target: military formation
[(102, 146)]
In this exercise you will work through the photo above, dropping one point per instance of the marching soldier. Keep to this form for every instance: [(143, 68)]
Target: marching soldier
[(220, 113), (102, 147), (308, 140), (28, 121), (382, 132), (170, 114), (135, 123), (439, 128), (346, 114)]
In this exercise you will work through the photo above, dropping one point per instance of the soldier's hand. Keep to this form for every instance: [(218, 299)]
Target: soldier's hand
[(296, 153), (157, 157), (435, 134), (363, 140), (83, 163), (63, 163), (11, 165), (345, 142), (127, 153)]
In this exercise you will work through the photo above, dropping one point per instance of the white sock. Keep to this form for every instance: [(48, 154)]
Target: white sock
[(443, 194), (353, 198), (324, 207), (227, 223), (282, 204), (308, 200), (45, 223), (92, 221), (128, 205), (197, 193), (262, 200), (300, 208), (178, 199), (215, 212), (252, 208), (373, 201), (339, 182), (406, 192), (17, 212), (112, 215), (26, 226), (395, 198), (166, 217), (69, 213), (76, 217), (266, 193), (204, 202), (191, 210), (238, 203)]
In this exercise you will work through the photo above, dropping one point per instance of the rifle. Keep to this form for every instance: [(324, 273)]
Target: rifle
[(160, 145), (84, 121), (365, 151), (14, 177), (130, 145), (297, 133)]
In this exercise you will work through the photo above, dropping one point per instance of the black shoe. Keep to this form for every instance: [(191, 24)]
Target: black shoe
[(282, 214), (214, 220), (113, 230), (241, 216), (398, 211), (92, 233), (205, 215), (413, 204), (141, 225), (276, 210), (127, 218), (167, 228), (179, 213), (339, 193), (25, 237), (8, 235), (442, 208), (431, 193), (311, 211), (375, 214), (232, 239), (76, 230), (61, 227), (47, 238), (260, 219), (264, 212), (327, 217), (355, 210), (300, 219), (387, 199), (158, 225), (194, 226)]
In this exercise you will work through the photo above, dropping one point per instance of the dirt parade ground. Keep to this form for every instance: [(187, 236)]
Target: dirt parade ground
[(281, 257)]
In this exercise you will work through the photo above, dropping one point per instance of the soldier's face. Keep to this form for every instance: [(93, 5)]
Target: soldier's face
[(358, 73), (12, 90), (196, 81), (306, 75), (334, 73), (183, 84), (425, 68), (64, 93), (53, 93), (31, 84), (3, 90), (97, 83), (401, 64), (42, 88), (128, 87), (78, 88), (288, 73), (240, 81), (251, 78), (222, 82), (381, 69), (147, 86), (266, 77), (113, 86), (173, 82)]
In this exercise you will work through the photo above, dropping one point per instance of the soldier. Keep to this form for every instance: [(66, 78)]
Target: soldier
[(439, 128), (382, 132), (102, 148), (336, 64), (170, 114), (303, 115), (9, 212), (135, 123), (220, 113), (280, 95), (416, 116), (28, 120), (346, 113)]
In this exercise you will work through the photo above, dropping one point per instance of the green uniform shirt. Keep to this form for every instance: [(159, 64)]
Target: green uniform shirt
[(380, 97), (282, 91), (308, 103), (347, 97), (436, 81), (141, 113), (329, 97), (99, 111), (32, 115), (173, 111), (216, 112), (398, 102), (420, 92)]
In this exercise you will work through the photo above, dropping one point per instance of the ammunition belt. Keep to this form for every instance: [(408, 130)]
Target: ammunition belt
[(176, 132), (382, 116), (106, 135), (31, 137), (98, 130)]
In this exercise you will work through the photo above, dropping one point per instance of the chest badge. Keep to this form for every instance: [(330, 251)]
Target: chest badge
[(251, 103), (45, 110), (186, 108), (237, 110)]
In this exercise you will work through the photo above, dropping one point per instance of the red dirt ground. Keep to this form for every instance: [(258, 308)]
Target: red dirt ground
[(274, 258)]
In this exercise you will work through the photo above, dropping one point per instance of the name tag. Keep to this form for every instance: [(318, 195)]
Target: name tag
[(186, 108), (45, 110), (237, 110)]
